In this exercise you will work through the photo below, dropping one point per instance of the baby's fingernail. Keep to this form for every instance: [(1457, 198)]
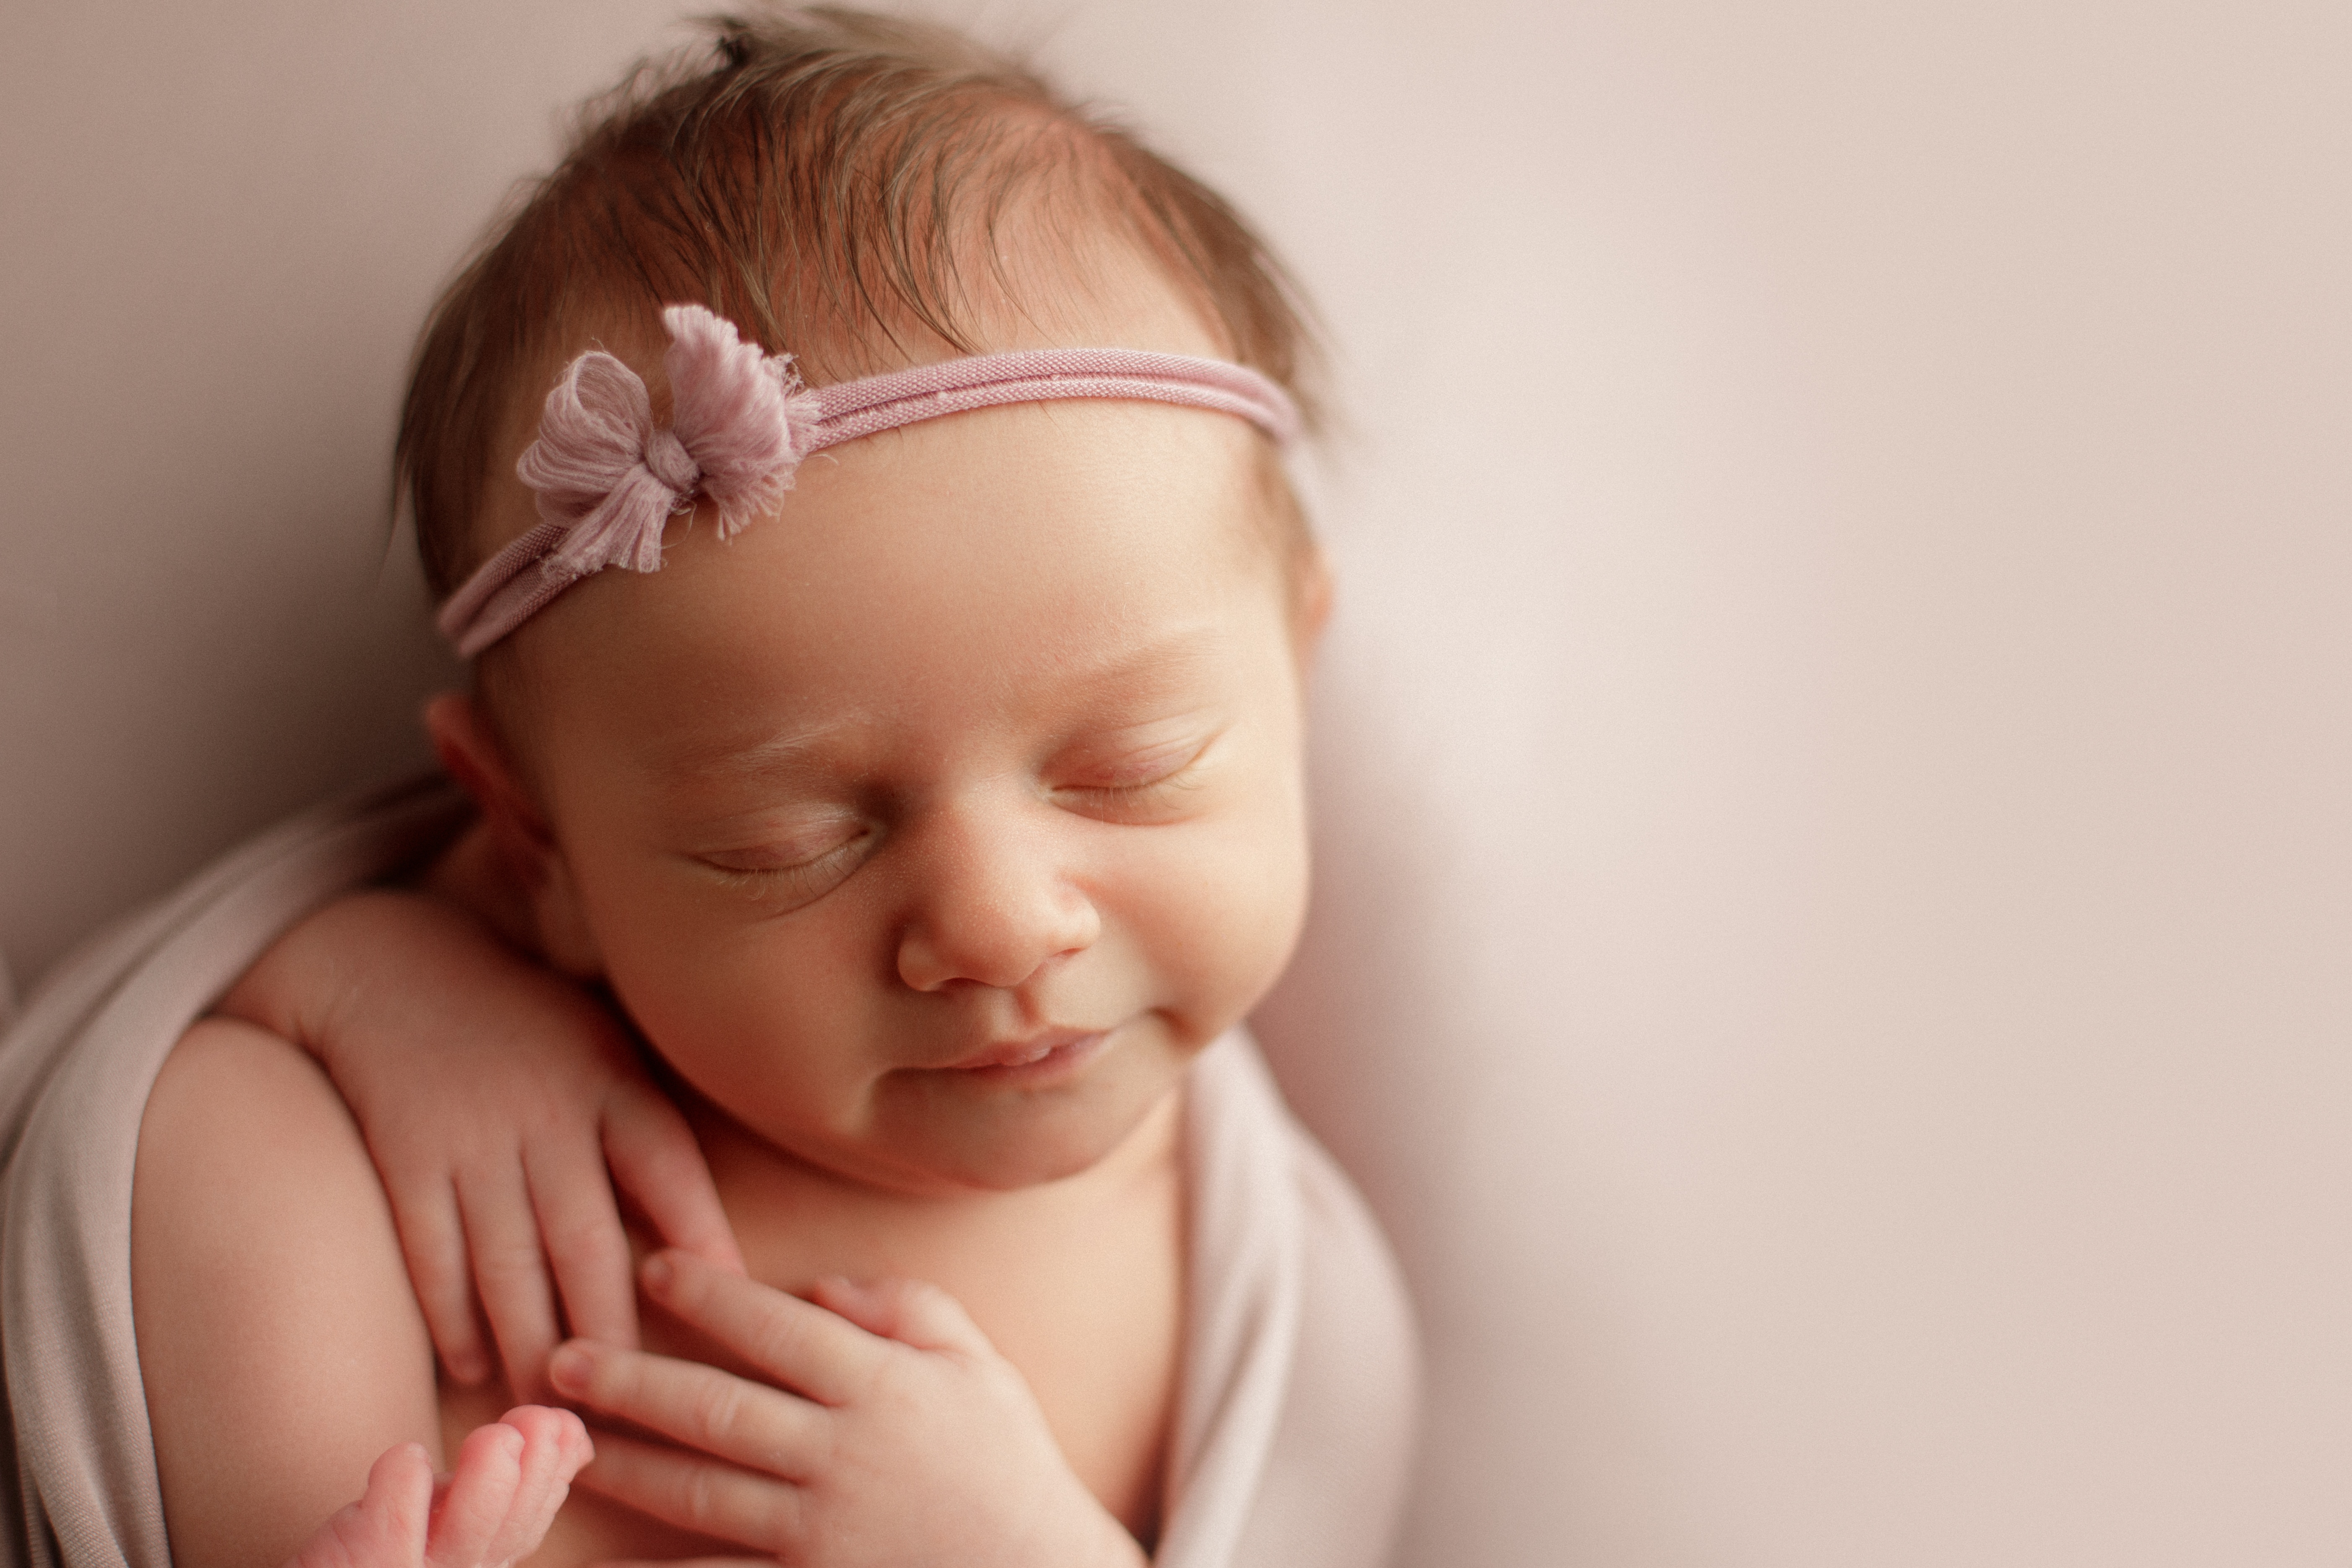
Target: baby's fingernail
[(658, 1272), (568, 1368), (469, 1368)]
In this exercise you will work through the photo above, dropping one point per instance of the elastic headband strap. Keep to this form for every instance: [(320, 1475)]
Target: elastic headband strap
[(607, 481), (855, 408)]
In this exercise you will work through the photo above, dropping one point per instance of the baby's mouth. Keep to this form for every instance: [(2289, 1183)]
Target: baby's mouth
[(1033, 1055)]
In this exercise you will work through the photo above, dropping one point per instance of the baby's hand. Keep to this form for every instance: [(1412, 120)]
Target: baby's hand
[(893, 1433), (491, 1510), (493, 1094)]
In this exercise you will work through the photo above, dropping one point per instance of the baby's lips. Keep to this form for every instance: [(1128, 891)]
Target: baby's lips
[(1025, 1050)]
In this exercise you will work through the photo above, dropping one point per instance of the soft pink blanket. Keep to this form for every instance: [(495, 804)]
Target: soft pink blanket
[(1295, 1424)]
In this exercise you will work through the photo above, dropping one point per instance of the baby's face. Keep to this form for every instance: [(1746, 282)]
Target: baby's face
[(931, 825)]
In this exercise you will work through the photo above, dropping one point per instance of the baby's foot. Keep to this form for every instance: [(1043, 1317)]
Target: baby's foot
[(492, 1509)]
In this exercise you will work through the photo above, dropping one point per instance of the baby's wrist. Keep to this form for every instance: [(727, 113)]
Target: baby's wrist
[(299, 983), (361, 962)]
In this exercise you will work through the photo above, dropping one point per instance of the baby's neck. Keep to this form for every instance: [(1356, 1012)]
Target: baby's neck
[(797, 1221), (1079, 1283)]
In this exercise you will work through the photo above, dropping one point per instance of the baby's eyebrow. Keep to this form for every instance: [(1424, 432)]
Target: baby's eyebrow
[(1165, 658), (787, 753), (1147, 669)]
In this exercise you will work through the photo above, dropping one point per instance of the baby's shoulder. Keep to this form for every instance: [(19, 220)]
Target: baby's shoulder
[(241, 1126), (226, 1079), (251, 1175)]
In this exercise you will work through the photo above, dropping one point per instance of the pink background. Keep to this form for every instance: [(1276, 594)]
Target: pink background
[(1834, 758)]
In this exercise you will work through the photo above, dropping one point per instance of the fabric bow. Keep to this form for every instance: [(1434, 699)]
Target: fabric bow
[(604, 474)]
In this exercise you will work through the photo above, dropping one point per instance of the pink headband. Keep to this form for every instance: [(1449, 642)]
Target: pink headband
[(608, 480)]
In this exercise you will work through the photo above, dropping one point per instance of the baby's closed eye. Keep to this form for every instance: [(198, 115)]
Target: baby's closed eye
[(801, 862), (1160, 780)]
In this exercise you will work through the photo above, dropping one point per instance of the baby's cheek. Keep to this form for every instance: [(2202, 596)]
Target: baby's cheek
[(1232, 918), (723, 1003)]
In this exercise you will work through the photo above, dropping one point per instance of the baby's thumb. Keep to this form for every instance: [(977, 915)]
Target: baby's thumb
[(912, 1311), (386, 1528)]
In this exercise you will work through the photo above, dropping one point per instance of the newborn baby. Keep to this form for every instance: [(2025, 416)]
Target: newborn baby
[(889, 641)]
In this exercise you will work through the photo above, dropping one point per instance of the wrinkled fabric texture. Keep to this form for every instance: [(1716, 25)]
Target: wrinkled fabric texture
[(1295, 1421)]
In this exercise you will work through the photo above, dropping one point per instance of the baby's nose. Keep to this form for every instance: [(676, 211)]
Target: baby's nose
[(996, 903)]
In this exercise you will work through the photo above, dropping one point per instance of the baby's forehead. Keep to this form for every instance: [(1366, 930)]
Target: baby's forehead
[(1010, 544), (1005, 585)]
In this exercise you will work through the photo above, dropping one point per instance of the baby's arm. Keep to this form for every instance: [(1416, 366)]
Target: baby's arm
[(280, 1348), (493, 1095)]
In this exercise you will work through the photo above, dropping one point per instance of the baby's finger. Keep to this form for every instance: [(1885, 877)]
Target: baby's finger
[(510, 1274), (385, 1529), (554, 1446), (433, 1240), (799, 1343), (759, 1427), (912, 1311), (586, 1247), (657, 1161), (700, 1494), (400, 1497), (480, 1496)]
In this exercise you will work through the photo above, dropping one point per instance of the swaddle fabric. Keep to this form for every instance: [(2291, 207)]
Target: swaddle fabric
[(1298, 1384)]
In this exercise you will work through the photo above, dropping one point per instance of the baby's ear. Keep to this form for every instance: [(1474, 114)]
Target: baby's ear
[(469, 748)]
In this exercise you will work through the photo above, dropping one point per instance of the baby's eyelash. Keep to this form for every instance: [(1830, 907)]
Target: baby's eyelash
[(1183, 778), (1143, 795), (806, 878)]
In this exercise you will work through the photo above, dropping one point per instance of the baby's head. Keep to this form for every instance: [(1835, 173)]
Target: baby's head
[(933, 822)]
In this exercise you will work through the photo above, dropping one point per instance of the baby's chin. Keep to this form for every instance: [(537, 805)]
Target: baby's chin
[(949, 1138)]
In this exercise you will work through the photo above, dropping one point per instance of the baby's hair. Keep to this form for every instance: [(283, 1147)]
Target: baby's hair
[(826, 180)]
